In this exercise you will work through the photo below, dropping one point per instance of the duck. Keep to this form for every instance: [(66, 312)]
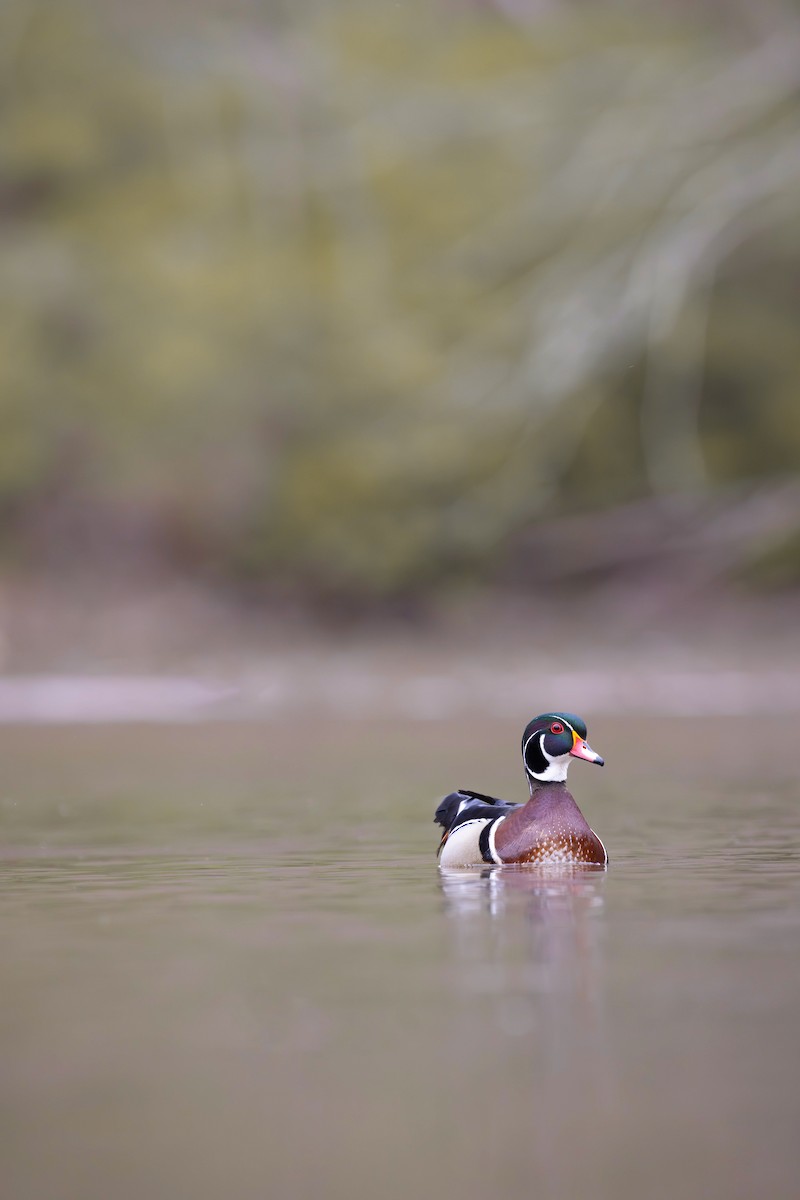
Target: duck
[(548, 828)]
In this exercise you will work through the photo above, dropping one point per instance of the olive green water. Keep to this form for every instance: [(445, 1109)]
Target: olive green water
[(231, 968)]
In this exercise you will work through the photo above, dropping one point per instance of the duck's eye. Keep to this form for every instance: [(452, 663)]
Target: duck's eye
[(556, 727)]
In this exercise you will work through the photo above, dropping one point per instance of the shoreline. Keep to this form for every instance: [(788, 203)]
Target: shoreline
[(86, 650), (287, 689)]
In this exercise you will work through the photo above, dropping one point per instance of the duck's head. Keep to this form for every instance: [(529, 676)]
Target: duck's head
[(548, 743)]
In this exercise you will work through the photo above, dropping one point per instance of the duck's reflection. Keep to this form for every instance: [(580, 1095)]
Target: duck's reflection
[(564, 890), (528, 950), (528, 926)]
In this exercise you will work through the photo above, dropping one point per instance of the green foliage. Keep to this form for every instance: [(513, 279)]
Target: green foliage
[(349, 300)]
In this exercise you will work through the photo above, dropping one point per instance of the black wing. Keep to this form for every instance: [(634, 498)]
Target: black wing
[(465, 805)]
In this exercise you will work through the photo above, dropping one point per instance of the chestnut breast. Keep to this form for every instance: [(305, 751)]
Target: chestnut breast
[(549, 828)]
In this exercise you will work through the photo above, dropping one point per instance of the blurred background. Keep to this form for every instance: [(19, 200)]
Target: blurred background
[(374, 376), (475, 316)]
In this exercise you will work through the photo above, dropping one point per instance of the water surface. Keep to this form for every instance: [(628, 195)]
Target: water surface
[(231, 967)]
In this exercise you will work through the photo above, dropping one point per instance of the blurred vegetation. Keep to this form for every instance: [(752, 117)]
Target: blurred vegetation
[(352, 299)]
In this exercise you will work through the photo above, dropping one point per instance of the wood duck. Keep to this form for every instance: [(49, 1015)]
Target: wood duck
[(549, 828)]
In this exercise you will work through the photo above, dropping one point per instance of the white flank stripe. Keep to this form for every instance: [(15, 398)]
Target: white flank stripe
[(492, 833)]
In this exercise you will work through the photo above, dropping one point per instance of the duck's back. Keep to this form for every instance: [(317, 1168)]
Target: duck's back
[(468, 819)]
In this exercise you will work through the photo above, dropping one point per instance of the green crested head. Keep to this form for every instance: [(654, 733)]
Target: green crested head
[(548, 743)]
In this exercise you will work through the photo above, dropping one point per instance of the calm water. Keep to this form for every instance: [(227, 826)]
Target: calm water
[(231, 967)]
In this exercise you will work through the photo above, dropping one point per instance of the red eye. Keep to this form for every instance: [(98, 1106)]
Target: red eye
[(556, 727)]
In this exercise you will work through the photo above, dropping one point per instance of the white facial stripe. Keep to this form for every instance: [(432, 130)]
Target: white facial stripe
[(525, 752), (557, 767), (555, 717)]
